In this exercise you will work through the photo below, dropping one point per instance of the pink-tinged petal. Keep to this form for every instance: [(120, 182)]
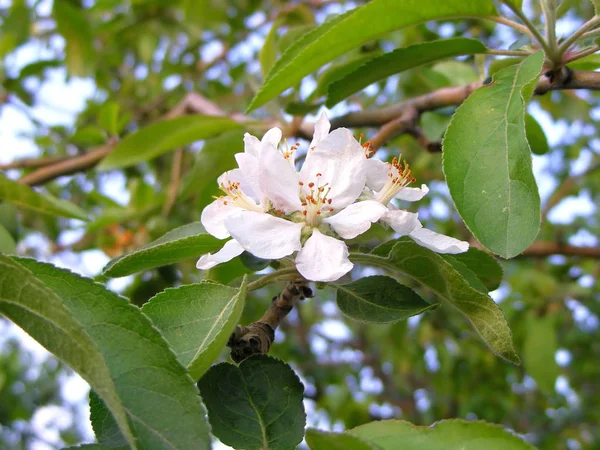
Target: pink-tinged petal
[(230, 250), (251, 145), (272, 137), (437, 242), (264, 235), (402, 222), (322, 127), (249, 167), (340, 161), (377, 173), (412, 194), (279, 180), (214, 215), (356, 218), (323, 258)]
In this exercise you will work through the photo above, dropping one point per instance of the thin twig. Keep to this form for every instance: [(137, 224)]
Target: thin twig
[(516, 26), (272, 277), (578, 55), (581, 32), (176, 169), (535, 32), (32, 163), (508, 52)]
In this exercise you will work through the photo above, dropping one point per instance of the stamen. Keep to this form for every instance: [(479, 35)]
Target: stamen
[(399, 176)]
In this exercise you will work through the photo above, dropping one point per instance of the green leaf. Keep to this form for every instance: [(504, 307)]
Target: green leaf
[(113, 346), (442, 277), (187, 241), (589, 62), (7, 243), (104, 424), (379, 299), (336, 37), (452, 434), (323, 440), (197, 321), (16, 26), (398, 61), (268, 52), (164, 136), (539, 351), (536, 136), (255, 405), (484, 265), (23, 196), (108, 117), (487, 161), (90, 135), (73, 25), (216, 157)]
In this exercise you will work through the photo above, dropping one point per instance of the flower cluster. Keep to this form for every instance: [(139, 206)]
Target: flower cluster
[(272, 210)]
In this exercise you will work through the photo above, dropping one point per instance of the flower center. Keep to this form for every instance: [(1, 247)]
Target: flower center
[(398, 178), (315, 204), (289, 153), (238, 197)]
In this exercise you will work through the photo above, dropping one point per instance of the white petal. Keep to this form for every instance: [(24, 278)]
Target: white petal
[(272, 137), (377, 173), (249, 167), (439, 243), (264, 235), (237, 176), (322, 127), (230, 250), (356, 218), (402, 222), (412, 194), (214, 215), (323, 258), (251, 145), (279, 180), (340, 160)]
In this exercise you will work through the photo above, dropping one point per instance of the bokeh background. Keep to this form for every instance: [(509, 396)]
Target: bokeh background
[(145, 57)]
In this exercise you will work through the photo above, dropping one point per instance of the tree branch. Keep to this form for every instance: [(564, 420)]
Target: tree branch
[(543, 249), (258, 337)]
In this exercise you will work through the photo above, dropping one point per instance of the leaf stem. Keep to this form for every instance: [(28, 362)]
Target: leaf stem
[(534, 31), (581, 32), (582, 53), (549, 10), (271, 278), (512, 24), (508, 52)]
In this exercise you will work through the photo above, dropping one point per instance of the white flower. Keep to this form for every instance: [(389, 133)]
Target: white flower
[(242, 192), (304, 209), (388, 181)]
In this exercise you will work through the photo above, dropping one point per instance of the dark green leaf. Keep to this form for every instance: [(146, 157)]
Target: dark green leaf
[(23, 196), (164, 136), (197, 320), (105, 427), (336, 37), (484, 265), (398, 61), (539, 351), (323, 440), (487, 161), (257, 405), (441, 277), (444, 435), (536, 136), (113, 346), (187, 241), (379, 299), (72, 24)]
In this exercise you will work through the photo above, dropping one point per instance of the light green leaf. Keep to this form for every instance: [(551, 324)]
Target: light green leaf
[(440, 276), (483, 265), (487, 161), (197, 321), (398, 61), (536, 136), (187, 241), (539, 351), (379, 299), (323, 440), (108, 117), (73, 25), (104, 424), (91, 135), (113, 346), (452, 434), (336, 37), (7, 243), (23, 196), (589, 62), (268, 52), (164, 136), (255, 405)]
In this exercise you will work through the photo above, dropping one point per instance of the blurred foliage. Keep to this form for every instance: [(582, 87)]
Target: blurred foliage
[(141, 58)]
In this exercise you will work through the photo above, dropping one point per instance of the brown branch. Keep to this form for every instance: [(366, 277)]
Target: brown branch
[(542, 249), (258, 337), (566, 188), (32, 163), (176, 169), (67, 166)]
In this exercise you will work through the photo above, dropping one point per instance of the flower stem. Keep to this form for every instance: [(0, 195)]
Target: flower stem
[(272, 277)]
